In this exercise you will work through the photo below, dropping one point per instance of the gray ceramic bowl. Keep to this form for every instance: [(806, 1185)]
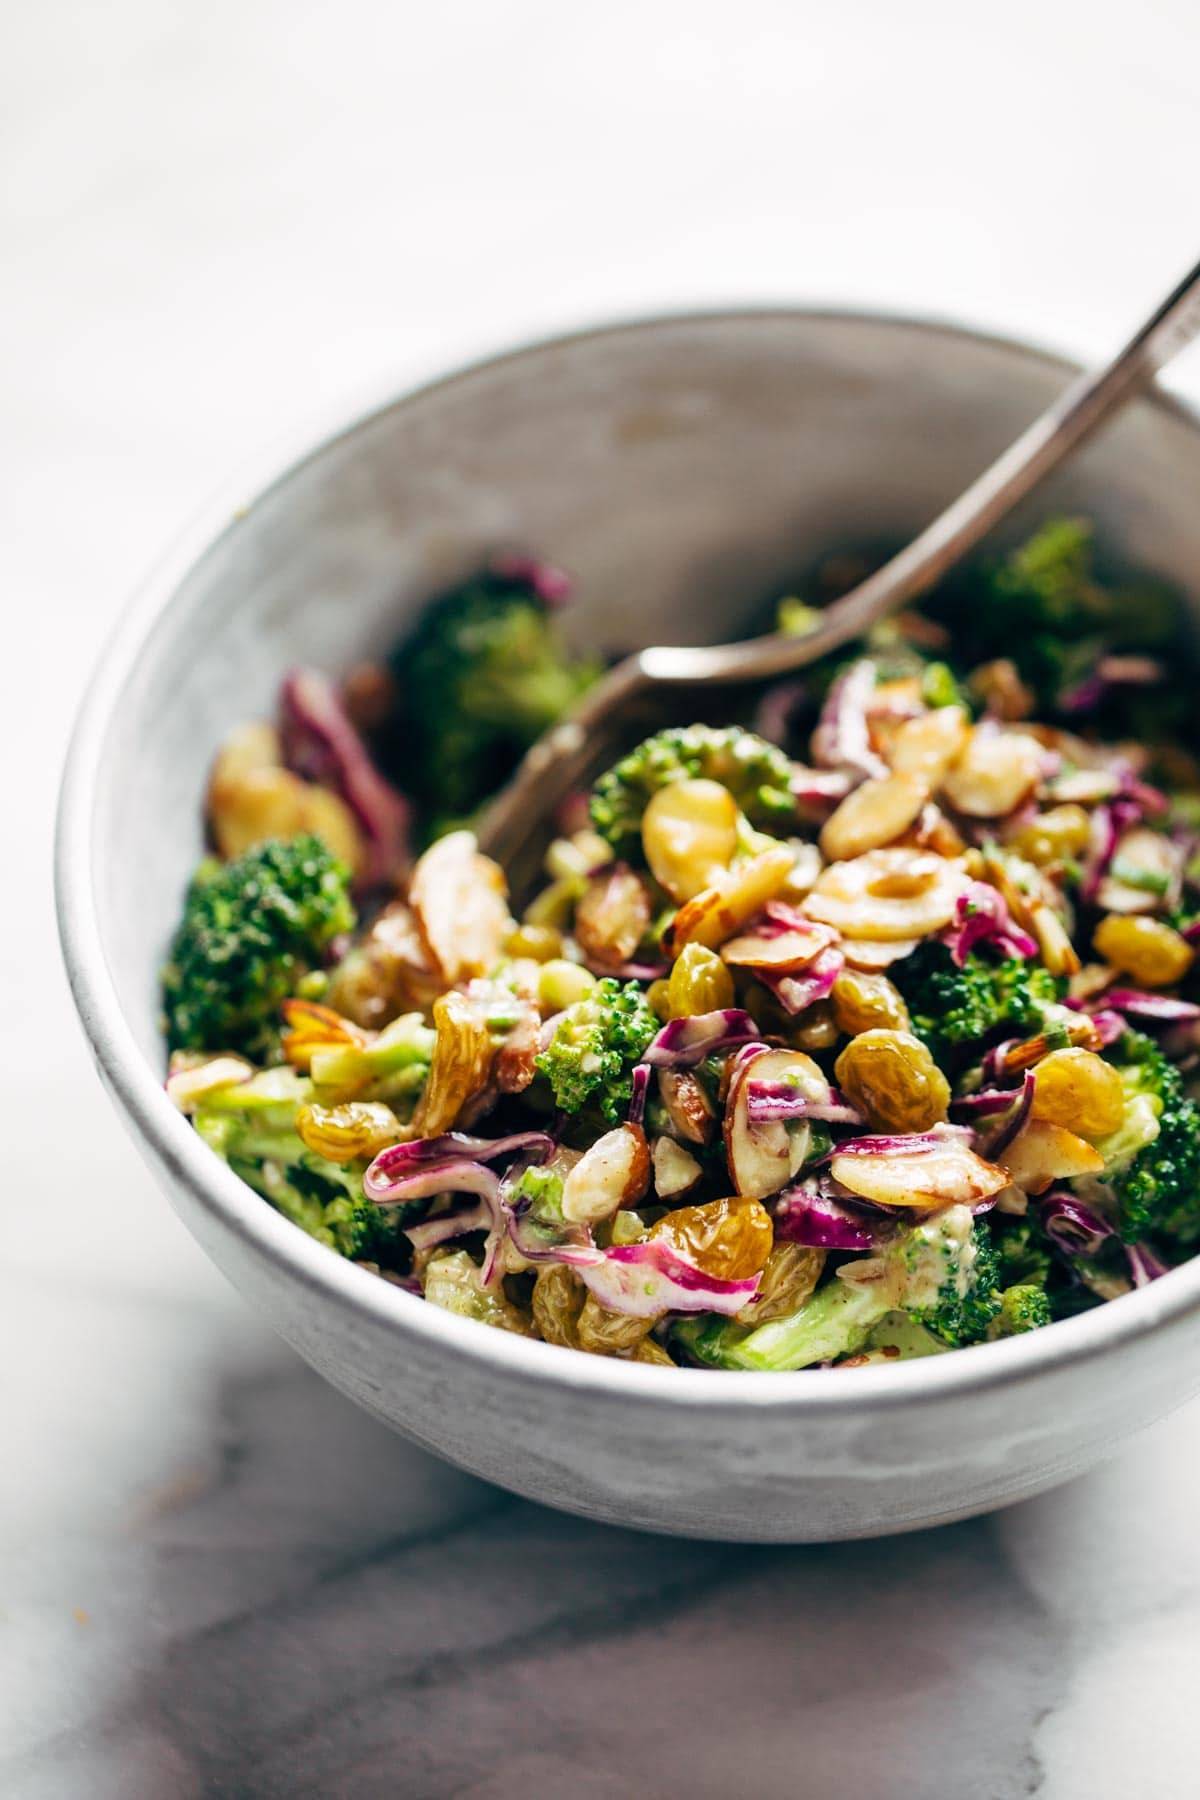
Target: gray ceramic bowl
[(682, 468)]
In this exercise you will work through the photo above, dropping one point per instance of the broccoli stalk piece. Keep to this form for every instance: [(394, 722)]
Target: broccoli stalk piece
[(940, 1272), (953, 1009), (483, 676), (253, 1128), (589, 1060), (1155, 1174), (252, 929), (757, 774)]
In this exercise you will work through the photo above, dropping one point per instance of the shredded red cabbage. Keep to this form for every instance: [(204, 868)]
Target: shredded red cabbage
[(1072, 1227), (796, 993), (551, 585), (1144, 1265), (1020, 1110), (682, 1043), (767, 1101), (399, 1162), (321, 744), (1151, 1009), (811, 1213), (982, 917), (841, 739), (650, 1278)]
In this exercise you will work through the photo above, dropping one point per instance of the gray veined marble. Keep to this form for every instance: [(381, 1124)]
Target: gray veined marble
[(683, 468)]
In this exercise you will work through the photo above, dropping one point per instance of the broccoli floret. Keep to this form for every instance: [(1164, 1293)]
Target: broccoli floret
[(1021, 1309), (1158, 1186), (964, 1264), (252, 929), (952, 1009), (589, 1060), (258, 1139), (1023, 1257), (757, 774), (1045, 608), (483, 675), (939, 1272)]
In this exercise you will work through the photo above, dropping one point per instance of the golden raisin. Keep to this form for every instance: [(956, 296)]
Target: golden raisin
[(817, 1030), (862, 1001), (891, 1077), (730, 1239), (1080, 1091), (542, 943), (699, 983), (1054, 836), (1152, 953)]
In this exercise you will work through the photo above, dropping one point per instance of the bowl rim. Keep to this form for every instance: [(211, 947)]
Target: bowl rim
[(134, 1085)]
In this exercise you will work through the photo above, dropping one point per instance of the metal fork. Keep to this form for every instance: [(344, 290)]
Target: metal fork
[(571, 750)]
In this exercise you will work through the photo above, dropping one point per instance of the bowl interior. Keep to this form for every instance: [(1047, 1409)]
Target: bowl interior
[(684, 471)]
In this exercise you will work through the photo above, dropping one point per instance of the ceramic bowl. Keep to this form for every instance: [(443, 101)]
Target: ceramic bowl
[(685, 469)]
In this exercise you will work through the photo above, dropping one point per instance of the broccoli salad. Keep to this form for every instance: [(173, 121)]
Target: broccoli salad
[(860, 1030)]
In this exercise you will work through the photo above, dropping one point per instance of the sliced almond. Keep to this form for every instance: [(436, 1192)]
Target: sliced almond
[(925, 747), (994, 773), (873, 956), (676, 1170), (950, 1174), (1042, 1153), (614, 1172), (876, 812), (763, 1158), (783, 953), (888, 894), (721, 911)]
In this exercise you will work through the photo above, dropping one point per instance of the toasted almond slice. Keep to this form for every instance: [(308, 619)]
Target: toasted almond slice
[(1042, 1153), (920, 1179), (994, 773), (925, 747), (614, 1172), (888, 894), (874, 956), (876, 812), (721, 911), (676, 1170), (763, 1158), (783, 953)]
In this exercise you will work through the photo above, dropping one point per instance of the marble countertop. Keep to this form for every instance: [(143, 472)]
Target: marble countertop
[(216, 1576)]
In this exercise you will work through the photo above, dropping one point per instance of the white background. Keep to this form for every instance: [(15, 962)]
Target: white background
[(215, 221)]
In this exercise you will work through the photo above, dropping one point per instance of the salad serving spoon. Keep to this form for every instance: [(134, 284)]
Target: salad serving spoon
[(566, 754)]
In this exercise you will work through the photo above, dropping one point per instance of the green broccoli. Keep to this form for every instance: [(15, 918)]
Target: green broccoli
[(1021, 1309), (1156, 1177), (253, 1128), (953, 1009), (589, 1060), (252, 929), (1023, 1257), (967, 1297), (483, 675), (757, 774), (1045, 607), (939, 1272)]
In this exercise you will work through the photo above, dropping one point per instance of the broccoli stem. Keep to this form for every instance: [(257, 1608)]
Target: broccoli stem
[(835, 1321)]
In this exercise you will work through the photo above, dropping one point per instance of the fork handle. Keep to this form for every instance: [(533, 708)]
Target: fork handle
[(560, 759), (1087, 404)]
